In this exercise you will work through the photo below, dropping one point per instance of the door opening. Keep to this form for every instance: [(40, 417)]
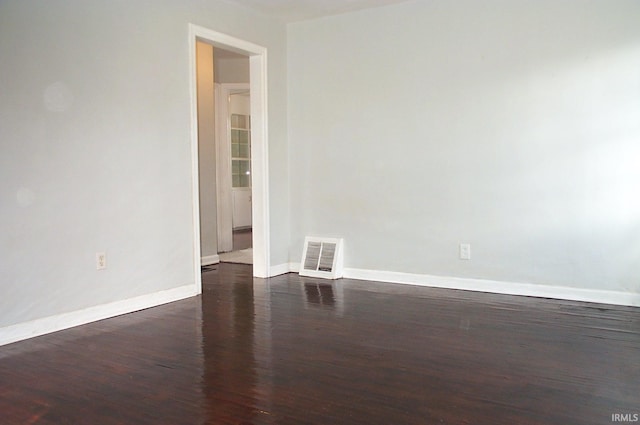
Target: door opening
[(259, 192), (234, 163)]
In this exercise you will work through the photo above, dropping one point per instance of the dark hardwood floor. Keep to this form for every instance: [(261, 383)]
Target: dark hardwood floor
[(293, 350)]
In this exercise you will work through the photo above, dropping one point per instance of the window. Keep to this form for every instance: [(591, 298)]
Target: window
[(240, 150)]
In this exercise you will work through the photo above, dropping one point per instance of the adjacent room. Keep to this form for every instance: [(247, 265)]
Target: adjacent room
[(164, 163)]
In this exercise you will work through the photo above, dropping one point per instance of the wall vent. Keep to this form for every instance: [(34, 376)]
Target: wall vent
[(322, 257)]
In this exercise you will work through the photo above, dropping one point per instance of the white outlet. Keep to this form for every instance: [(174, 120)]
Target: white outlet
[(465, 251), (101, 260)]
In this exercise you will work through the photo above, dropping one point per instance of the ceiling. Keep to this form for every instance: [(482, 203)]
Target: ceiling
[(299, 10)]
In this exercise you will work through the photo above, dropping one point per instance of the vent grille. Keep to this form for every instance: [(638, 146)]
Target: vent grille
[(327, 254), (313, 255), (322, 257)]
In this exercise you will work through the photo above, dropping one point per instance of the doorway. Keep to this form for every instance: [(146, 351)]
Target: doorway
[(234, 161), (259, 149)]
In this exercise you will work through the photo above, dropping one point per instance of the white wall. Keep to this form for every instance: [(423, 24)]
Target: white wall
[(95, 148), (232, 70), (512, 126)]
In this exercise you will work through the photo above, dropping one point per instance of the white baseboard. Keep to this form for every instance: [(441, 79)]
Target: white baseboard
[(209, 259), (59, 322), (26, 330), (493, 286), (279, 269)]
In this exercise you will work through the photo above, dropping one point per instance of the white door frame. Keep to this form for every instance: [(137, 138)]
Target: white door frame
[(223, 171), (259, 152)]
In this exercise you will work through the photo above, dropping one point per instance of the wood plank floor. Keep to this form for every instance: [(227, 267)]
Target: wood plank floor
[(293, 350)]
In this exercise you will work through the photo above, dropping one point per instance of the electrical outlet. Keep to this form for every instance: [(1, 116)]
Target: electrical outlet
[(465, 251), (101, 260)]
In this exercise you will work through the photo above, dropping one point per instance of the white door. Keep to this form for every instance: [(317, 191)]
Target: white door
[(240, 120), (241, 208)]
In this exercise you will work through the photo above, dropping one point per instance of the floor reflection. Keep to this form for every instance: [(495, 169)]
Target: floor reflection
[(328, 295), (320, 294), (227, 334)]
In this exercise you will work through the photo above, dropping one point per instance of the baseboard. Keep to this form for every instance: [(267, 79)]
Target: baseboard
[(493, 286), (242, 229), (26, 330), (209, 259), (499, 287), (279, 269)]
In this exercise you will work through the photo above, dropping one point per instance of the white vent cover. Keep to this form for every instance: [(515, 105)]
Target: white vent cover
[(322, 257)]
